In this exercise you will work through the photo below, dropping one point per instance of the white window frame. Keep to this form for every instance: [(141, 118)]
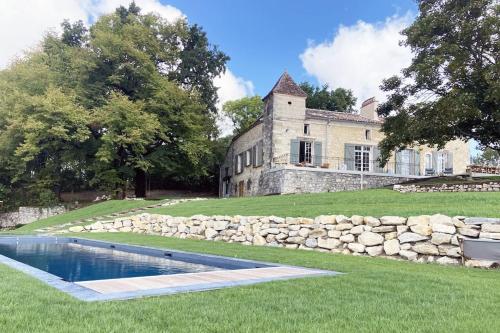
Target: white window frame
[(362, 158), (428, 161), (442, 159), (239, 164)]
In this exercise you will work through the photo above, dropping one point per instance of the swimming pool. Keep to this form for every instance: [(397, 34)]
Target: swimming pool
[(95, 270)]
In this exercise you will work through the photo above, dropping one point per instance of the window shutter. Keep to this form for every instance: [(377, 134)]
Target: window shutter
[(254, 159), (435, 161), (235, 165), (349, 156), (376, 162), (260, 154), (294, 151), (399, 160), (318, 153), (449, 161), (416, 168)]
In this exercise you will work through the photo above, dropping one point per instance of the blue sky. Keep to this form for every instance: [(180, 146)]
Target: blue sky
[(265, 37)]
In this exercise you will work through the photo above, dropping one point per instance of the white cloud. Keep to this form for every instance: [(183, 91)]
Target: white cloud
[(360, 56), (230, 87), (23, 24)]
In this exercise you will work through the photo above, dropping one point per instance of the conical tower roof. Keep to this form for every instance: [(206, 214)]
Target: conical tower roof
[(287, 86)]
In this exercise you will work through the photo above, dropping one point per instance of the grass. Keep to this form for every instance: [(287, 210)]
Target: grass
[(453, 180), (95, 210), (369, 202), (376, 295)]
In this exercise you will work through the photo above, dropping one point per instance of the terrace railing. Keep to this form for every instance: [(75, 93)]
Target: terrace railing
[(342, 164), (492, 170)]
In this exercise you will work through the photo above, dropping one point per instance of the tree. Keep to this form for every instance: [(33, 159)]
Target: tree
[(323, 98), (451, 90), (243, 112), (488, 157)]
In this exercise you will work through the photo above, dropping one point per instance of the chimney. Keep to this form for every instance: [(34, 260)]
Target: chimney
[(369, 109)]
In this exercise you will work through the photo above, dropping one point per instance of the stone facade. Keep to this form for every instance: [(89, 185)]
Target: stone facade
[(27, 215), (422, 238), (485, 187), (291, 135)]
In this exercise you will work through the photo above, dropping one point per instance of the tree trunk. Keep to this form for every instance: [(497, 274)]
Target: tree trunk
[(140, 183)]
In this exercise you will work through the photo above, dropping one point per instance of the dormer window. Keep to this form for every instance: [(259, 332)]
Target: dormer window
[(307, 129)]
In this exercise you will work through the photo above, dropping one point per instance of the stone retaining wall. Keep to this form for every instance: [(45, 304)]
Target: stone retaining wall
[(26, 215), (418, 238), (485, 187)]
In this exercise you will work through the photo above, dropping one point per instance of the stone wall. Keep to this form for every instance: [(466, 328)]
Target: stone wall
[(26, 215), (418, 238), (485, 187), (289, 180)]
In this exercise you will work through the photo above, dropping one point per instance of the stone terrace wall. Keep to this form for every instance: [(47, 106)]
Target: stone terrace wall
[(418, 238), (485, 187), (27, 215)]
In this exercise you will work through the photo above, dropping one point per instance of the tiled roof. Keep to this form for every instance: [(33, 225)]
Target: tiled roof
[(287, 86), (339, 116)]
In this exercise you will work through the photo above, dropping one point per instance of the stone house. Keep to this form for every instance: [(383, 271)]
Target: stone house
[(294, 149)]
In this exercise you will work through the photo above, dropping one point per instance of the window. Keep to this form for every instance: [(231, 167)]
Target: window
[(249, 185), (226, 171), (305, 149), (442, 159), (428, 161), (258, 154), (362, 158), (306, 129), (368, 134), (248, 157)]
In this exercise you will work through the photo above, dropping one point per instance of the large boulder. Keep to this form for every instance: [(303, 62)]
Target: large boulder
[(369, 238), (311, 242), (410, 237), (347, 238), (77, 228), (343, 226), (315, 233), (325, 219), (356, 247), (447, 261), (357, 230), (418, 220), (439, 238), (211, 233), (444, 228), (258, 240), (384, 228), (374, 250), (408, 255), (425, 248), (490, 227), (490, 235), (391, 247), (440, 219), (357, 220), (371, 221), (295, 240), (421, 229), (469, 232)]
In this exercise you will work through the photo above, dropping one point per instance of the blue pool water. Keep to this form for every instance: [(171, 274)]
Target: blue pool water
[(75, 262)]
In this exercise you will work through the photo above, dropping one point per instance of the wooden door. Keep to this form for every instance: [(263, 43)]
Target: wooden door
[(241, 188)]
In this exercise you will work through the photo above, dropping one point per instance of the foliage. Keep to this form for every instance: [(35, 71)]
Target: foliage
[(451, 90), (102, 107), (243, 112), (488, 157), (340, 99)]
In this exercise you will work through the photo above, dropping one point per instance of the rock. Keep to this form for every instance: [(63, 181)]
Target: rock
[(210, 233), (315, 233), (391, 247), (447, 261), (489, 235), (295, 240), (357, 230), (481, 263), (458, 222), (369, 238), (374, 250), (425, 248), (468, 232), (304, 220), (410, 237), (408, 255), (440, 238), (77, 228), (220, 225), (356, 247), (343, 226), (272, 231), (390, 235), (97, 226), (443, 228), (347, 238), (325, 219), (258, 240), (371, 221), (402, 229), (334, 233), (384, 228), (454, 240), (440, 219), (341, 219), (311, 242), (392, 220), (329, 243), (304, 232), (357, 220), (489, 227), (405, 246), (450, 251), (418, 220), (421, 229)]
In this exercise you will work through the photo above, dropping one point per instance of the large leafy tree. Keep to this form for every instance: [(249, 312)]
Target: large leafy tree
[(340, 99), (243, 112), (451, 90)]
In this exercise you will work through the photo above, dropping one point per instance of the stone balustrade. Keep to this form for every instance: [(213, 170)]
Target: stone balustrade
[(422, 238)]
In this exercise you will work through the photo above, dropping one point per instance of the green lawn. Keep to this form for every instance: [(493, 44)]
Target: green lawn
[(368, 202), (376, 295), (99, 209)]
